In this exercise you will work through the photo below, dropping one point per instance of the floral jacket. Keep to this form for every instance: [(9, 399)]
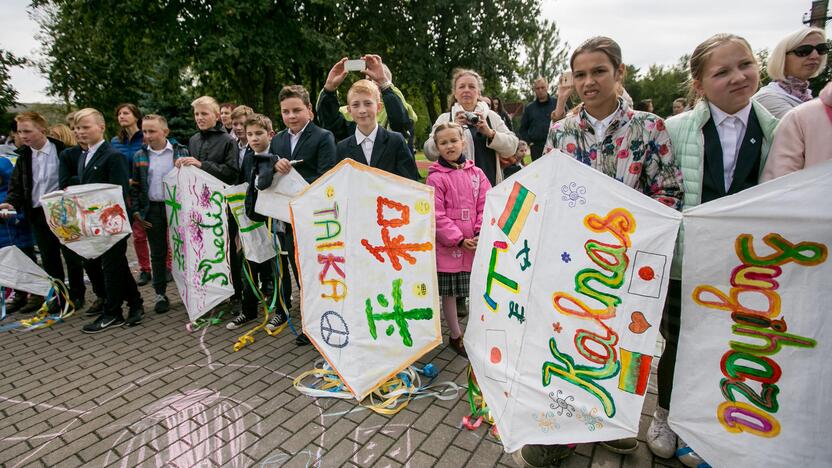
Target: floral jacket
[(635, 150)]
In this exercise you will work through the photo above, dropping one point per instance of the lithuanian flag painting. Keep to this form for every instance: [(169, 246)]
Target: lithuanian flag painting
[(517, 209)]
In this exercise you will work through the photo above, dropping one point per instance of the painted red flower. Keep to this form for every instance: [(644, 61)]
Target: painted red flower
[(570, 148), (635, 168), (663, 150), (660, 125), (623, 154)]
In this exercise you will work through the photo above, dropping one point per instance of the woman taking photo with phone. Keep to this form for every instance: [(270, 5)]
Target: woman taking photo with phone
[(486, 135), (799, 57)]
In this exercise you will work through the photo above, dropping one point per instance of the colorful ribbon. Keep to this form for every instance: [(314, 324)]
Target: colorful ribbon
[(204, 322), (248, 337), (389, 398), (479, 409), (43, 318)]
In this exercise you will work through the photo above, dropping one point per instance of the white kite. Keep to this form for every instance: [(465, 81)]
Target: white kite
[(258, 245), (567, 290), (198, 234), (365, 250), (18, 271), (274, 201), (752, 378), (88, 219)]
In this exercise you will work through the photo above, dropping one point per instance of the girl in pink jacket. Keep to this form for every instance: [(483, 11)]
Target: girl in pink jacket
[(459, 190)]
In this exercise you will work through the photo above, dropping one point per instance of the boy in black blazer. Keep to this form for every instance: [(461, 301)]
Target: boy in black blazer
[(302, 140), (313, 149), (101, 163), (371, 144)]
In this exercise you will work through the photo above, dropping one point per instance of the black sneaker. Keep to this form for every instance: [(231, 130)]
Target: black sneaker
[(97, 307), (32, 304), (79, 303), (162, 304), (302, 340), (539, 456), (102, 323), (19, 302), (240, 320), (276, 322), (144, 278), (135, 316)]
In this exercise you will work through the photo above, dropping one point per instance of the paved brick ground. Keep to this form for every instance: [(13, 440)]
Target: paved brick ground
[(156, 395)]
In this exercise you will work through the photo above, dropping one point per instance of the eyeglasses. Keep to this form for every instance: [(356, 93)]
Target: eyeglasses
[(806, 50)]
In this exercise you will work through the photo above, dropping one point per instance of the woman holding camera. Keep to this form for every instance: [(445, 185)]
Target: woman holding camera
[(486, 136)]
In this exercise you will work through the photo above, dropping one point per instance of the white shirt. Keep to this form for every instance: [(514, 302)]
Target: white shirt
[(91, 152), (159, 164), (731, 129), (44, 171), (242, 149), (293, 140), (366, 142), (600, 126)]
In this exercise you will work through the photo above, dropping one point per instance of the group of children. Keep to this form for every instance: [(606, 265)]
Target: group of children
[(718, 148)]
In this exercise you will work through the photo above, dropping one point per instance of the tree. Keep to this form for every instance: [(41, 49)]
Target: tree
[(8, 95), (661, 83), (546, 56), (163, 54), (98, 60)]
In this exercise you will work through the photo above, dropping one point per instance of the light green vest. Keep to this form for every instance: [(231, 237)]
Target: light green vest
[(688, 143)]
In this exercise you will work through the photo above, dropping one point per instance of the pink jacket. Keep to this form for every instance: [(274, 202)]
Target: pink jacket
[(803, 138), (460, 200)]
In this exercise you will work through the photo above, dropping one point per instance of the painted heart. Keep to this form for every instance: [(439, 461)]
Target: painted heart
[(638, 324)]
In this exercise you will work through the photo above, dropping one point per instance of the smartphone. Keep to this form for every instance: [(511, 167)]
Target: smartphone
[(355, 65), (566, 78)]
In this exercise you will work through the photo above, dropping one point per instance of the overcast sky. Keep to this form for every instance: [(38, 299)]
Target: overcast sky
[(649, 31)]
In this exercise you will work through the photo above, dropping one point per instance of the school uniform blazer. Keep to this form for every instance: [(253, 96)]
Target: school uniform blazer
[(107, 166), (68, 167), (390, 153), (316, 148)]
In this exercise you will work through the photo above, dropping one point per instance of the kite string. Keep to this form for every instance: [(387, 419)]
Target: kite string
[(43, 318), (388, 398), (479, 409), (248, 337)]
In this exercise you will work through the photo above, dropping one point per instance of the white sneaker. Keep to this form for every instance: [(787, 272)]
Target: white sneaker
[(660, 437), (238, 321), (688, 457)]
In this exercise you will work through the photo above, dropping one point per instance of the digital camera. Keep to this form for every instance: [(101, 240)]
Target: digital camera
[(472, 119)]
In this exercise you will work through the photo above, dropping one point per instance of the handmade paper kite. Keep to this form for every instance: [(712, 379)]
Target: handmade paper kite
[(257, 242), (567, 290), (274, 201), (365, 249), (18, 271), (752, 379), (88, 219), (198, 233)]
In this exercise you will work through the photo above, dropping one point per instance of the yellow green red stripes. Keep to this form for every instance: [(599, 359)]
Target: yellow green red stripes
[(517, 209)]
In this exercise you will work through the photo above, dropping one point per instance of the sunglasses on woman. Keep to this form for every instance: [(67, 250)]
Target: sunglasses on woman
[(805, 50)]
